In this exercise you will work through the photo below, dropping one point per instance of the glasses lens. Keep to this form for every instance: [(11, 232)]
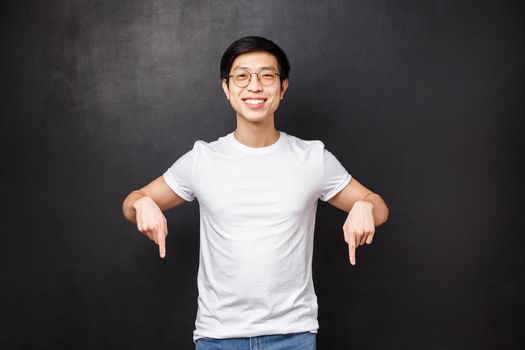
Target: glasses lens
[(241, 78), (267, 77)]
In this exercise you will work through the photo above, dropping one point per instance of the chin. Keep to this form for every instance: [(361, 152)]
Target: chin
[(254, 117)]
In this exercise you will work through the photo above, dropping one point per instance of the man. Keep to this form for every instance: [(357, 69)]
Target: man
[(258, 190)]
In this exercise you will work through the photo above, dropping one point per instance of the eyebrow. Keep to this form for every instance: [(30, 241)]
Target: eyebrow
[(246, 68)]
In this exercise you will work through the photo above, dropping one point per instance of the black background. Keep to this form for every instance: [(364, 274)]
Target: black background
[(421, 101)]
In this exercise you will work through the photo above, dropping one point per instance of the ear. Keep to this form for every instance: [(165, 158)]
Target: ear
[(225, 89), (284, 86)]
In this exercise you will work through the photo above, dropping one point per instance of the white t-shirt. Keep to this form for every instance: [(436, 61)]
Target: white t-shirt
[(257, 216)]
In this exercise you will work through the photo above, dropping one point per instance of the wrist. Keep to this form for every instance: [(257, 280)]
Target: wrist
[(139, 201), (364, 203)]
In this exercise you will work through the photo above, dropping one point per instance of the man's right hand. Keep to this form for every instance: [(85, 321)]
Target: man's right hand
[(151, 222)]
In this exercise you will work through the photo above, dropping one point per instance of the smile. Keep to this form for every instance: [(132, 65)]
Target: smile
[(254, 102)]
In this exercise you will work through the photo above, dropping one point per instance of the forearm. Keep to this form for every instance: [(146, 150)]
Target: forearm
[(127, 207), (380, 209)]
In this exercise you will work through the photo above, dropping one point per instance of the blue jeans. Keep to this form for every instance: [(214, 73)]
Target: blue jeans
[(293, 341)]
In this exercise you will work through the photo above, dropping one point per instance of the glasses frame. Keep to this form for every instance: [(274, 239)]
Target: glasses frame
[(258, 77)]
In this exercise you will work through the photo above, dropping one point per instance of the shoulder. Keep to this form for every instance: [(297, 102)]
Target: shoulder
[(305, 145), (206, 147)]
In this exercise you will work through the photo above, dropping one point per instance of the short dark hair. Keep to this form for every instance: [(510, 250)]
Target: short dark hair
[(252, 44)]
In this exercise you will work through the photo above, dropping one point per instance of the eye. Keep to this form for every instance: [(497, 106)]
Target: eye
[(241, 75), (267, 74)]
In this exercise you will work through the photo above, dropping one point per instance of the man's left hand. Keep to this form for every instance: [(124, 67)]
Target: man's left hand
[(359, 227)]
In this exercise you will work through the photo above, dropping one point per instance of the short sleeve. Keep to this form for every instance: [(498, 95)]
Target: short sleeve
[(179, 177), (335, 176)]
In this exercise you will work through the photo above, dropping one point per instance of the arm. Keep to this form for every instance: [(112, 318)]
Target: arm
[(365, 209), (145, 208), (355, 192)]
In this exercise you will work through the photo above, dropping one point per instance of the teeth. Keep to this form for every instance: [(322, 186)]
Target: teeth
[(254, 102)]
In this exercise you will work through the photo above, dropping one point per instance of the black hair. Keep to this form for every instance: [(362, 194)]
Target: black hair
[(252, 44)]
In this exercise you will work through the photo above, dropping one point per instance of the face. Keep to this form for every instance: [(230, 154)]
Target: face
[(255, 102)]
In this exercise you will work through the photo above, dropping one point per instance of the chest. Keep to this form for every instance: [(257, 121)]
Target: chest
[(257, 187)]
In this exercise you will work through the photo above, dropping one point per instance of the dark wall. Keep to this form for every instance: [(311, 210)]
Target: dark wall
[(422, 101)]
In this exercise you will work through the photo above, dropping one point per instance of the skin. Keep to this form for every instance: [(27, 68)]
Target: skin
[(256, 128)]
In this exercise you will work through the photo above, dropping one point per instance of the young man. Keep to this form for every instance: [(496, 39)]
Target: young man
[(258, 190)]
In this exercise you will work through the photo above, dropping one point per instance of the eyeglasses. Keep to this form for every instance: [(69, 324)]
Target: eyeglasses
[(242, 77)]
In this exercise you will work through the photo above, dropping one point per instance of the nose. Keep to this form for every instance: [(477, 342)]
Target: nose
[(254, 84)]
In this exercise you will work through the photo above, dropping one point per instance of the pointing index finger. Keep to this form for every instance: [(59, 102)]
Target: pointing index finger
[(162, 243), (352, 254), (351, 249)]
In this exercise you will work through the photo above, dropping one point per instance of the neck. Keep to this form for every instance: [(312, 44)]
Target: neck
[(256, 134)]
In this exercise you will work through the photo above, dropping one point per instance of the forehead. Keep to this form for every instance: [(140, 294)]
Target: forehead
[(255, 60)]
